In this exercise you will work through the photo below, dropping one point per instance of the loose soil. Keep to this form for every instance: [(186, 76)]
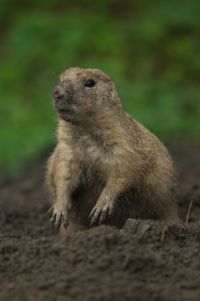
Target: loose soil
[(146, 260)]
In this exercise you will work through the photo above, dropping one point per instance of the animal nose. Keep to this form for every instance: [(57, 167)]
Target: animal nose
[(58, 93)]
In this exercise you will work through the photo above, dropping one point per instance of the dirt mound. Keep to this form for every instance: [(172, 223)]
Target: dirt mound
[(144, 261)]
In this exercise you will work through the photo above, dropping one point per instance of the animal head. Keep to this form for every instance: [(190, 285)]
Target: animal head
[(82, 94)]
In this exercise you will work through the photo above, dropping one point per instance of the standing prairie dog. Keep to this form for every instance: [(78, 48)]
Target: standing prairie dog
[(106, 167)]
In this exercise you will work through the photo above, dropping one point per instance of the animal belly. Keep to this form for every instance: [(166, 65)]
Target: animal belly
[(85, 196)]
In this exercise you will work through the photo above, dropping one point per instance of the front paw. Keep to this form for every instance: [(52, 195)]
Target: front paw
[(100, 212), (58, 216)]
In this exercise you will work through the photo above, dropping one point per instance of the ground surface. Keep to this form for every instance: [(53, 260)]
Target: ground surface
[(143, 261)]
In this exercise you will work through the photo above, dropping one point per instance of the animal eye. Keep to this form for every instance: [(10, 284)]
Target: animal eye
[(89, 83)]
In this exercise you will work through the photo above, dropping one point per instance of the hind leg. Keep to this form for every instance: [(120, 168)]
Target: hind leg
[(161, 194)]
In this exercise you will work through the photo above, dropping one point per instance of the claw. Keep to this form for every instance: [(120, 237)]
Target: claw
[(58, 220), (104, 215), (50, 212), (53, 218), (98, 215), (94, 216), (57, 217), (92, 212)]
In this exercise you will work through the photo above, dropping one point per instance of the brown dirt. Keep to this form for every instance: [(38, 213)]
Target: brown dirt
[(144, 261)]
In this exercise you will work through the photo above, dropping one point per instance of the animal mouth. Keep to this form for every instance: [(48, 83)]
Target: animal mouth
[(65, 111), (67, 115), (61, 111)]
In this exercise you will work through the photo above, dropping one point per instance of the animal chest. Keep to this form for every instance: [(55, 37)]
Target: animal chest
[(92, 160)]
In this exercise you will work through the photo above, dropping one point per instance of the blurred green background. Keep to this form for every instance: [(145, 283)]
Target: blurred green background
[(150, 49)]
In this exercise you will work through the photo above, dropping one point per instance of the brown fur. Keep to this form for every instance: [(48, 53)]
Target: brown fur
[(106, 166)]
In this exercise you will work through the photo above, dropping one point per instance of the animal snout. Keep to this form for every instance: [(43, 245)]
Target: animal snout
[(58, 93)]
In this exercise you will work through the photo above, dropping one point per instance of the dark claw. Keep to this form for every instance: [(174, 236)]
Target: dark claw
[(54, 222), (53, 218), (59, 221), (50, 212)]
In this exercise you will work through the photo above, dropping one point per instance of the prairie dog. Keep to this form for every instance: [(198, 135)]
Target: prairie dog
[(106, 166)]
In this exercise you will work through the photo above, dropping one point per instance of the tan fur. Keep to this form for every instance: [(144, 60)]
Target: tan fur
[(106, 166)]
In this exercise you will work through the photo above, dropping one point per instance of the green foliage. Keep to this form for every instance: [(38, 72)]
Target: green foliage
[(150, 50)]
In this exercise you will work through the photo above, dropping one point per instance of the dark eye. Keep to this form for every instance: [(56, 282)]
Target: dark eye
[(89, 83)]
